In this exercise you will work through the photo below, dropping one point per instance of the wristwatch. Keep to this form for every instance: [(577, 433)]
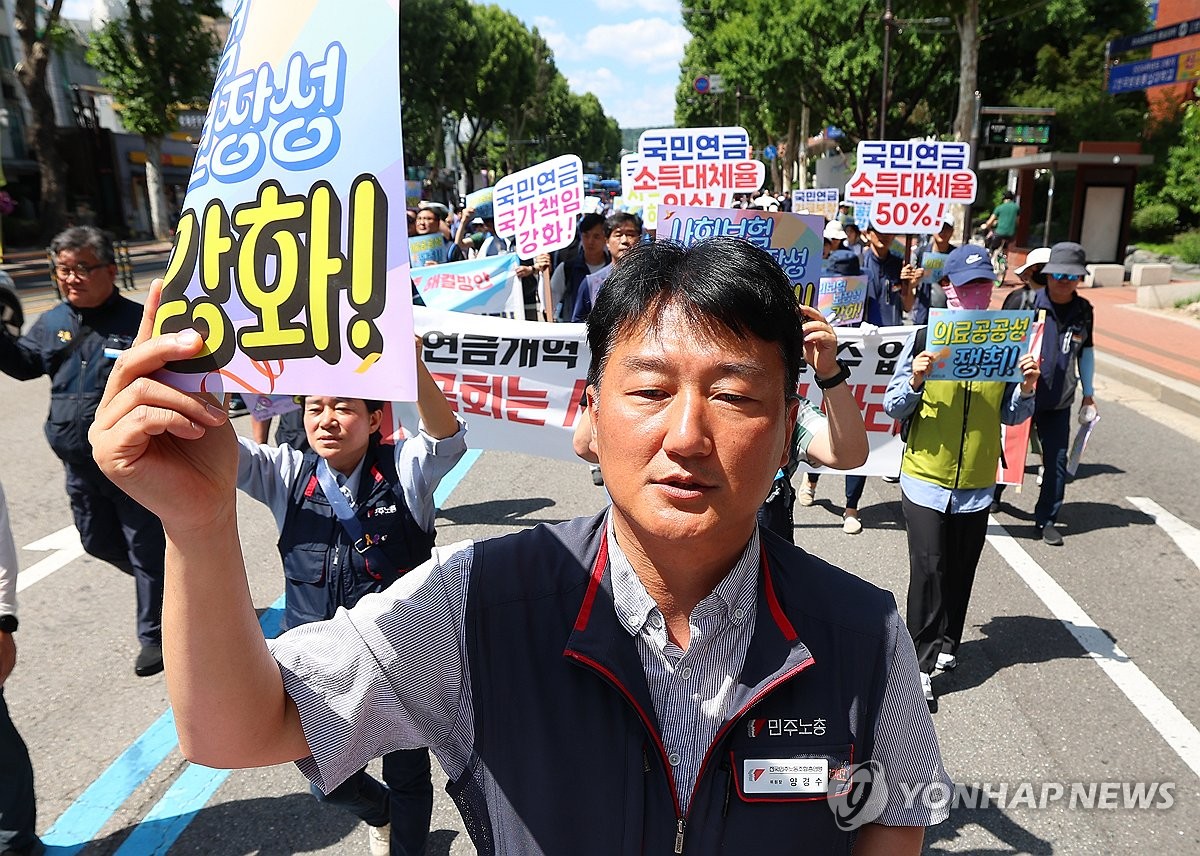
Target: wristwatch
[(8, 624), (830, 382)]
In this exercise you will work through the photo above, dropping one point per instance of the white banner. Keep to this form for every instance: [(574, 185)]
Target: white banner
[(872, 357), (518, 384)]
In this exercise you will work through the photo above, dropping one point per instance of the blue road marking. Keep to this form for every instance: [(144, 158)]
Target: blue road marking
[(86, 816), (451, 480), (194, 787)]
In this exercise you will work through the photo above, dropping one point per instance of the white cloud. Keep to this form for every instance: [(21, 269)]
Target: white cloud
[(651, 107), (551, 30), (644, 5), (647, 45), (649, 104)]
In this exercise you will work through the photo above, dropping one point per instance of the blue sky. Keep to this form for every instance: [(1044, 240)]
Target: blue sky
[(627, 52)]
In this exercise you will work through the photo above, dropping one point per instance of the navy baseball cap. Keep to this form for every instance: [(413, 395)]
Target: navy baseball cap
[(842, 263), (967, 264)]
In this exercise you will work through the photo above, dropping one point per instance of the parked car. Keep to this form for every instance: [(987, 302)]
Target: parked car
[(12, 316)]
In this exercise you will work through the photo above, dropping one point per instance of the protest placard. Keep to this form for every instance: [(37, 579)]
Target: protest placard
[(484, 286), (843, 299), (263, 407), (290, 256), (423, 249), (871, 356), (632, 201), (1010, 469), (978, 344), (911, 185), (1079, 444), (412, 193), (932, 264), (816, 200), (862, 215), (699, 167), (481, 202), (794, 240), (538, 205)]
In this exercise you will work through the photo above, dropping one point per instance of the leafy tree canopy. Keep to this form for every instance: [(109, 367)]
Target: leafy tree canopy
[(160, 55)]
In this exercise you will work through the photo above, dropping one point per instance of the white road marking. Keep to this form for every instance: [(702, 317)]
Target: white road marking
[(1181, 735), (66, 547), (1183, 534)]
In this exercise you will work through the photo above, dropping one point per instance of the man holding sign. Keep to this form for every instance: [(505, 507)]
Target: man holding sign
[(948, 472), (604, 686)]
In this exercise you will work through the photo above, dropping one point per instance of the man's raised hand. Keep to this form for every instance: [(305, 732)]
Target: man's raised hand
[(171, 451)]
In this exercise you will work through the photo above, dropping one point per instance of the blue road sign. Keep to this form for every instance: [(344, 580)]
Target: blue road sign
[(769, 152), (1152, 37), (1142, 75), (701, 84)]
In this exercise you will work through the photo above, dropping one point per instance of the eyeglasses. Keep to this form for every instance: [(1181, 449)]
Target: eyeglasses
[(80, 271), (1061, 277), (633, 236)]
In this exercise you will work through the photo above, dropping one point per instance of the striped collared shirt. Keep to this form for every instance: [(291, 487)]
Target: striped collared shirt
[(690, 689)]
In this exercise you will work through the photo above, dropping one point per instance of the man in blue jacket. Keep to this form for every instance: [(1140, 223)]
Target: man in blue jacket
[(663, 677), (76, 344)]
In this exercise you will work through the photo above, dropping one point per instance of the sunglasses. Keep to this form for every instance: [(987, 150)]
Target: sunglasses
[(1061, 277)]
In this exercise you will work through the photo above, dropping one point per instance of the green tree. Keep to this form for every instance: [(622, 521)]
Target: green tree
[(775, 59), (597, 136), (1181, 186), (157, 58), (1072, 83), (38, 30), (505, 70), (439, 51)]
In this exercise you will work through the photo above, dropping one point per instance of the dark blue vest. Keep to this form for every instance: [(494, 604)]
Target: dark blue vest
[(323, 569), (568, 756), (72, 343), (1062, 342)]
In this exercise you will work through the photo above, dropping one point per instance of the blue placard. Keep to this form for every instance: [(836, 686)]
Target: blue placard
[(977, 344)]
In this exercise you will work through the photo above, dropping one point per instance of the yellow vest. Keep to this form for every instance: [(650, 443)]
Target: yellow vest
[(954, 438)]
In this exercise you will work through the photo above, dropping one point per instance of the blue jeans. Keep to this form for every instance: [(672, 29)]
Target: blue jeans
[(18, 810), (404, 799), (855, 485), (1054, 430)]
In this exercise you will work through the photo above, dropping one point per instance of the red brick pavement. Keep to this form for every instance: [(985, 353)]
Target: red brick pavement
[(1153, 339)]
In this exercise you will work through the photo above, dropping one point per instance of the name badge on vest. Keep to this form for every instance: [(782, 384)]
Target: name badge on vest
[(785, 776)]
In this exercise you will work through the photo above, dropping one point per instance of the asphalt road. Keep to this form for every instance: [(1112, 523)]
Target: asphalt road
[(1028, 704)]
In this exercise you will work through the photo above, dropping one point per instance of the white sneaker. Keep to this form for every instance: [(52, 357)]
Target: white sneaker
[(806, 495), (380, 839), (927, 688), (947, 662), (851, 525)]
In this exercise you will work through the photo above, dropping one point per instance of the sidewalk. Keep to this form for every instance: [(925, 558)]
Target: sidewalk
[(1148, 349)]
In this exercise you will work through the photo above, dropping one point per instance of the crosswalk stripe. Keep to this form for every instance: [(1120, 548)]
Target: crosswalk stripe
[(1167, 719), (66, 547), (1183, 534)]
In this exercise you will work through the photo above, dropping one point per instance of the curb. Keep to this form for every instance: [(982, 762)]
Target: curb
[(1175, 393)]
